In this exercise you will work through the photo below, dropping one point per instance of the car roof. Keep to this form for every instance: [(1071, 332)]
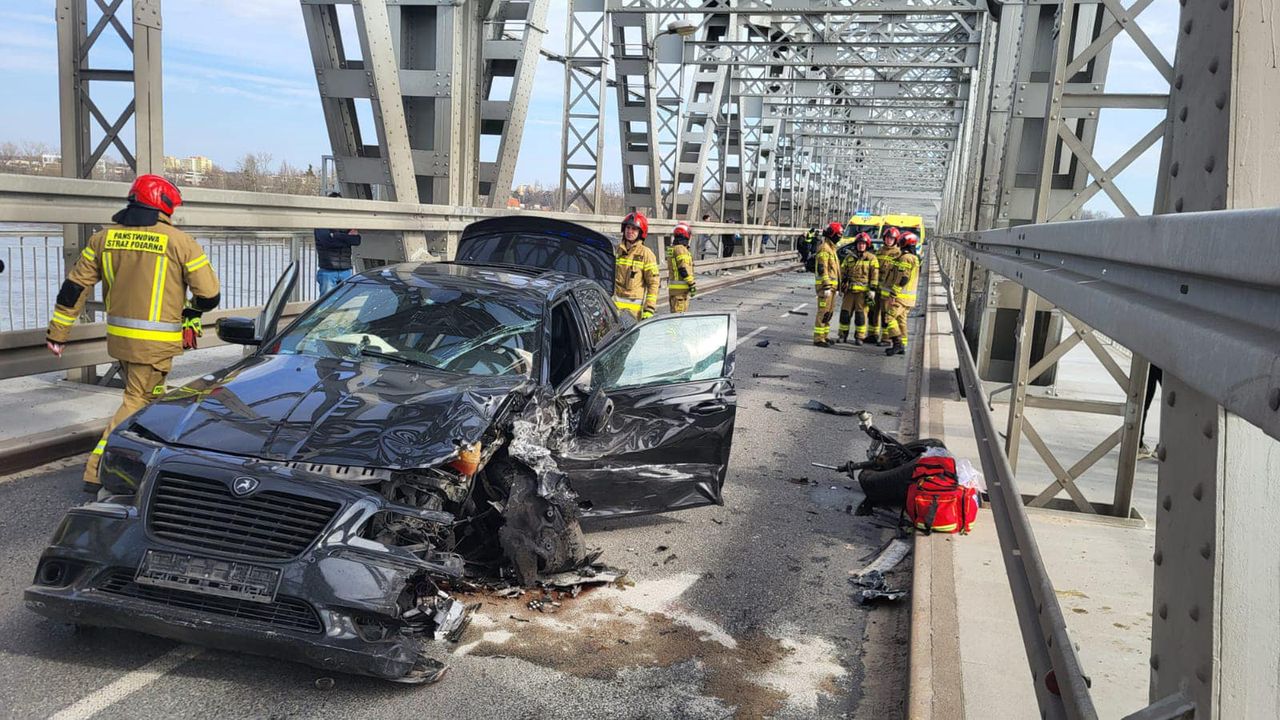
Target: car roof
[(532, 283)]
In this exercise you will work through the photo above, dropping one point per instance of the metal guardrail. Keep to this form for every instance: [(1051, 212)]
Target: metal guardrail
[(1044, 629)]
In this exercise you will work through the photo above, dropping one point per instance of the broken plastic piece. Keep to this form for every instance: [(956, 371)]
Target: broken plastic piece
[(769, 404), (875, 588), (763, 343), (768, 376), (825, 408)]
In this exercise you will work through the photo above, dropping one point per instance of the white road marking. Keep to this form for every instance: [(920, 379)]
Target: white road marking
[(131, 682), (750, 335), (801, 306)]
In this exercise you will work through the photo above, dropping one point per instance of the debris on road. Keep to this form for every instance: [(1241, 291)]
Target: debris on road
[(769, 404), (324, 683), (763, 343), (825, 408), (771, 377), (888, 558), (874, 587), (801, 481), (797, 312)]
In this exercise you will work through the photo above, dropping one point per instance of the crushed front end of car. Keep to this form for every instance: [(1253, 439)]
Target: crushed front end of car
[(258, 557)]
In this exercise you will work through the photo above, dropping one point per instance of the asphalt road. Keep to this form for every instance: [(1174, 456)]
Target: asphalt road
[(742, 610)]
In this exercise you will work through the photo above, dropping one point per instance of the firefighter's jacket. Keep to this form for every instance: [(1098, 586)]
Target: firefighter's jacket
[(886, 256), (859, 273), (679, 269), (905, 279), (635, 279), (146, 272), (826, 268)]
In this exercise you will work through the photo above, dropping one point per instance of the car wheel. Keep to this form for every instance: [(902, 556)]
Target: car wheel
[(539, 536)]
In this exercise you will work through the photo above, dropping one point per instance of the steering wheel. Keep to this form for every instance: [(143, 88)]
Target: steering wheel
[(495, 359)]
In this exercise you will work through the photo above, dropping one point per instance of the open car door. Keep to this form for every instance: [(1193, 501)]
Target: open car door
[(537, 242), (666, 444), (269, 318)]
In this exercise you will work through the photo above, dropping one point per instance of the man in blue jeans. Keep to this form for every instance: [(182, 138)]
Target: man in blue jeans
[(333, 255)]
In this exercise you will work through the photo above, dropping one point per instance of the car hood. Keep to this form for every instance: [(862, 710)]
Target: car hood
[(298, 408)]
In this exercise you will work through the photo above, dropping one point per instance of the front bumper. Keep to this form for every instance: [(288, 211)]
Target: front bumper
[(337, 606)]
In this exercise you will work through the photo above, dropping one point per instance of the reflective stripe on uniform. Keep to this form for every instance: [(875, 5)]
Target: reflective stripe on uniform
[(88, 254), (197, 263), (63, 319), (157, 287), (905, 297), (144, 329), (678, 286), (97, 450), (858, 288), (622, 303)]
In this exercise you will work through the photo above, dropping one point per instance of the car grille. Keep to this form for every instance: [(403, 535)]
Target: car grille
[(202, 512), (284, 613)]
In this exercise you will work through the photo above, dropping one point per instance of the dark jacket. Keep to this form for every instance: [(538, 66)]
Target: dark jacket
[(333, 249)]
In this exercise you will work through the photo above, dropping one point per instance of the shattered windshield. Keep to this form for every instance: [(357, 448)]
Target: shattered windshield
[(461, 331)]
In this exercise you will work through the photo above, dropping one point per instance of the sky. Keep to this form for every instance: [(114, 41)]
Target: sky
[(238, 79)]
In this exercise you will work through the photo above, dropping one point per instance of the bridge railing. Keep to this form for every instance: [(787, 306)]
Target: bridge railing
[(1163, 288), (251, 238)]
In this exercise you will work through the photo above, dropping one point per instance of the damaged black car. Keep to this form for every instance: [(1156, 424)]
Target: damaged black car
[(421, 428)]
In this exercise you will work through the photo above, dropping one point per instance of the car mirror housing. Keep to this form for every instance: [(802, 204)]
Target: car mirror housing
[(596, 414), (237, 330)]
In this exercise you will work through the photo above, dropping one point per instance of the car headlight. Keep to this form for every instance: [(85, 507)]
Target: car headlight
[(121, 470)]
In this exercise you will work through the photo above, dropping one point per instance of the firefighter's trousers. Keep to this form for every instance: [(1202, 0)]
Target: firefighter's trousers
[(678, 300), (822, 318), (142, 384), (878, 317), (896, 320), (853, 308)]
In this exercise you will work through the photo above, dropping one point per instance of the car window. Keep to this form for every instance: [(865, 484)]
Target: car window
[(664, 350), (566, 352), (474, 333), (539, 251), (598, 314)]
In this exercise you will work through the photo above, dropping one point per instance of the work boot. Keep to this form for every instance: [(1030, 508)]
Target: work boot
[(884, 343), (844, 337), (857, 341)]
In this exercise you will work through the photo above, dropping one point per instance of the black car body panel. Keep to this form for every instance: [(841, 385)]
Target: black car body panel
[(538, 242), (304, 506), (330, 411)]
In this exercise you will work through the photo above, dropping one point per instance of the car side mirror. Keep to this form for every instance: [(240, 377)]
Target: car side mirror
[(237, 330), (596, 414)]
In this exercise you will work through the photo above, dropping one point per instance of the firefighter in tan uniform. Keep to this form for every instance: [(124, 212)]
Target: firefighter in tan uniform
[(859, 272), (635, 273), (826, 277), (147, 266), (886, 256), (901, 290), (681, 284)]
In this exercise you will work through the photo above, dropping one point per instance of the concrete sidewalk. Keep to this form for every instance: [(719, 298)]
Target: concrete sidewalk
[(1101, 567)]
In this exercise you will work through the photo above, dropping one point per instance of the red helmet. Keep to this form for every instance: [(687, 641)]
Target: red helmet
[(833, 231), (909, 239), (892, 232), (638, 221), (155, 192), (862, 237), (682, 230)]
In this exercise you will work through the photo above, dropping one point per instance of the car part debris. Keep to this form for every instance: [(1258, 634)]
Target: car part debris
[(797, 312), (768, 376), (888, 558), (324, 683), (874, 587), (801, 481), (825, 408), (762, 344), (769, 404)]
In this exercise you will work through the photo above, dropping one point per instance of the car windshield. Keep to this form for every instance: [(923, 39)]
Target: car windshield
[(461, 331)]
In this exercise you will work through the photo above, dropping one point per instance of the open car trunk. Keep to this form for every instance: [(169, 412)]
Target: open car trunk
[(535, 242)]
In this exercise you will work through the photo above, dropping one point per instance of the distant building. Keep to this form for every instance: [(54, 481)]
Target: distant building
[(51, 159), (513, 203)]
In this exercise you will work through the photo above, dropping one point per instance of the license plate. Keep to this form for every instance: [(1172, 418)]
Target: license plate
[(208, 576)]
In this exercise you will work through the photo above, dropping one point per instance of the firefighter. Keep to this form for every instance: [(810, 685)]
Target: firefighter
[(635, 274), (859, 272), (681, 283), (147, 265), (902, 293), (885, 256), (826, 277)]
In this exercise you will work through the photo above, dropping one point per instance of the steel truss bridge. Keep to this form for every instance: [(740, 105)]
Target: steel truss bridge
[(775, 115)]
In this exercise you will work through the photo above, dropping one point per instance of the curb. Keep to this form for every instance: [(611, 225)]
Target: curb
[(24, 453), (935, 687)]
